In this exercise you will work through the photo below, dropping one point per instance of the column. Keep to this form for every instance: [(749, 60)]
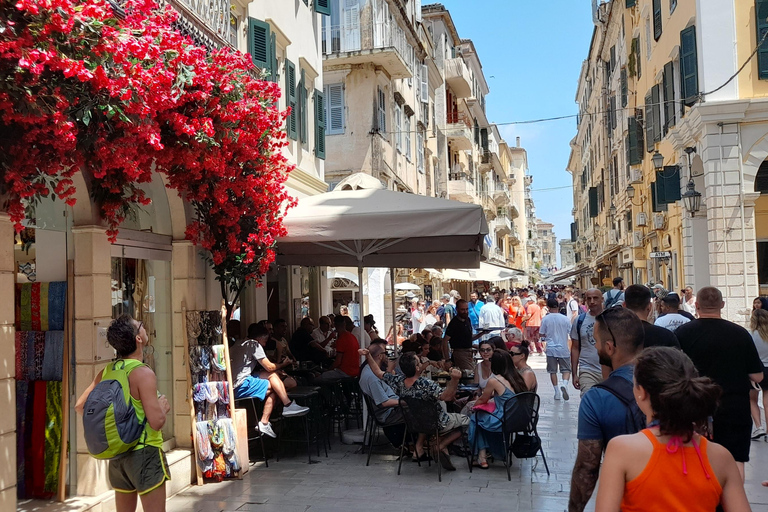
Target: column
[(93, 313), (7, 366)]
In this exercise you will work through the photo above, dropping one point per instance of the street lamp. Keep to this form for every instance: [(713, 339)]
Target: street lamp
[(612, 210), (630, 191), (692, 198), (658, 160)]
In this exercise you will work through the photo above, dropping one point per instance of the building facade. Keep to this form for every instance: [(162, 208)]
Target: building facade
[(151, 253), (680, 150), (546, 234), (567, 254)]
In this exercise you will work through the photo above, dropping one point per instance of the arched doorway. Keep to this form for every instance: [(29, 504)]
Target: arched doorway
[(761, 226)]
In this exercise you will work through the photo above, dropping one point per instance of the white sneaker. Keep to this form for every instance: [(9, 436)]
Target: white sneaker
[(758, 432), (565, 392), (558, 396), (294, 409), (266, 429)]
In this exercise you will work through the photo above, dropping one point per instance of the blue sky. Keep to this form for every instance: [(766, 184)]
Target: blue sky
[(531, 54)]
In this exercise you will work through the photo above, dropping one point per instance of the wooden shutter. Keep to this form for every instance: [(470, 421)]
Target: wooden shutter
[(623, 80), (668, 185), (334, 106), (320, 121), (638, 56), (656, 205), (484, 138), (669, 96), (382, 119), (273, 58), (656, 19), (689, 66), (573, 232), (290, 98), (634, 150), (424, 84), (593, 203), (649, 123), (630, 3), (259, 42), (302, 94), (761, 11), (322, 6), (656, 100), (613, 113)]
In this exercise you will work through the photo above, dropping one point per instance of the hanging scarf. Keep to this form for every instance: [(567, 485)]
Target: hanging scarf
[(218, 361), (228, 445)]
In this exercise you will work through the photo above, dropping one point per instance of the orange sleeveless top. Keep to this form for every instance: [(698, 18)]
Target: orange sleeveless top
[(676, 478)]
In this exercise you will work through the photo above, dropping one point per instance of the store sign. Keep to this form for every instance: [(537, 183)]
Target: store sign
[(663, 254)]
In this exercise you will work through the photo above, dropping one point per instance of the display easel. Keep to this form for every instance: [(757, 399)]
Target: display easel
[(190, 388)]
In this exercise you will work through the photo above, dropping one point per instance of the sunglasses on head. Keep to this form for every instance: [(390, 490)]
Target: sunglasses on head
[(603, 318)]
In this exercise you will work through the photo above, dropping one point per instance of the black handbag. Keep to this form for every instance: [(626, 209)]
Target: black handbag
[(525, 446)]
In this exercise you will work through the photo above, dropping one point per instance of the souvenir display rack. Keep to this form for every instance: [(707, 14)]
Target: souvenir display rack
[(211, 395)]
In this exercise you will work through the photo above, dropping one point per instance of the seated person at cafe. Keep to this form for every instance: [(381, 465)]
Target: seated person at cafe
[(265, 385), (282, 350), (288, 381), (304, 345), (324, 335), (387, 403), (410, 384), (346, 363), (514, 337)]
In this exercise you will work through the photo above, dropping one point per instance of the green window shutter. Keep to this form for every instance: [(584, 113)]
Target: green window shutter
[(630, 3), (302, 97), (484, 138), (290, 98), (477, 133), (259, 42), (689, 66), (624, 93), (634, 151), (656, 100), (669, 96), (648, 123), (273, 58), (656, 19), (670, 184), (656, 205), (761, 11), (593, 203), (322, 6), (319, 100), (638, 54)]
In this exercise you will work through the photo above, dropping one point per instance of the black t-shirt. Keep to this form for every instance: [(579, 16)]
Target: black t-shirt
[(460, 333), (656, 336), (299, 345), (724, 352)]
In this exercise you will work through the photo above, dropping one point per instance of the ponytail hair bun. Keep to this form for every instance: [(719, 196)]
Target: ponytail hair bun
[(681, 400)]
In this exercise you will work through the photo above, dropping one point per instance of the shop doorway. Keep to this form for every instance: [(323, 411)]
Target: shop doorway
[(141, 287)]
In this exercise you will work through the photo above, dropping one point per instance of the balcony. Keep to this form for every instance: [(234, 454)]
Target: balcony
[(207, 23), (513, 236), (461, 186), (502, 225), (498, 254), (361, 41), (458, 132), (458, 78), (489, 207), (514, 212), (501, 195)]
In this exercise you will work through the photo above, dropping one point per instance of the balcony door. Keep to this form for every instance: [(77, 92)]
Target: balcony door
[(350, 34)]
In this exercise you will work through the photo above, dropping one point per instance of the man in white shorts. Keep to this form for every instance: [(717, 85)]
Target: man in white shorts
[(554, 331)]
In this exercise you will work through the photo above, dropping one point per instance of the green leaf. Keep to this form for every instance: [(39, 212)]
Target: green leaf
[(87, 117)]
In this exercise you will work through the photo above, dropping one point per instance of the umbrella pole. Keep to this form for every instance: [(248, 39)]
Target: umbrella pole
[(361, 300), (394, 307)]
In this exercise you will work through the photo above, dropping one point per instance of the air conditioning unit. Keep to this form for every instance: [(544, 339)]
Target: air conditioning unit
[(512, 178), (642, 219), (658, 221), (637, 239), (636, 176)]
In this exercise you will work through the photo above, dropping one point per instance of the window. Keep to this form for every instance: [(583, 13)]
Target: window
[(689, 70), (669, 96), (321, 6), (761, 12), (382, 118), (648, 38), (408, 137), (334, 108), (398, 128), (424, 84), (623, 84), (634, 142), (656, 19), (761, 180), (420, 152), (262, 47), (638, 56), (320, 124), (301, 94), (290, 99)]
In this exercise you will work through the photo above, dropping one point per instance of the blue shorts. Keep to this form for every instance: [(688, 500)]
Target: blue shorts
[(252, 387)]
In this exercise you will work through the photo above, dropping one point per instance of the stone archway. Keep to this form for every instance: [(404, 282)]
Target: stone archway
[(755, 166)]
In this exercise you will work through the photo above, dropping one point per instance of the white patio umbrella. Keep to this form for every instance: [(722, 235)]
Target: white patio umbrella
[(382, 228), (406, 286)]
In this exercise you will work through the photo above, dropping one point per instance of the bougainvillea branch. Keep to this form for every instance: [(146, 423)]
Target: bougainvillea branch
[(120, 99)]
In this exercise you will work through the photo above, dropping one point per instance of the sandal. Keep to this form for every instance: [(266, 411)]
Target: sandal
[(424, 458), (480, 464)]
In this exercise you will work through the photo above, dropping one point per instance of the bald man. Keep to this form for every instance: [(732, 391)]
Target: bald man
[(724, 352), (585, 362)]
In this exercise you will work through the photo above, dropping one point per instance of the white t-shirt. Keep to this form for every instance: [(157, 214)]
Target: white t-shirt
[(416, 318), (671, 321), (245, 356), (762, 347), (588, 358), (554, 331), (613, 298), (690, 308), (359, 332), (572, 309)]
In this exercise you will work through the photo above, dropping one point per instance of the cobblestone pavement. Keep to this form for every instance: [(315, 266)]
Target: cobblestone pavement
[(343, 483)]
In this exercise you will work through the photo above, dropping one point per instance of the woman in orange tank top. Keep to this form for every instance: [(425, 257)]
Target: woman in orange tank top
[(668, 466)]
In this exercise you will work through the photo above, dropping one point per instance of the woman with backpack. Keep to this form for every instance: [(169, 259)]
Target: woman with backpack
[(669, 466)]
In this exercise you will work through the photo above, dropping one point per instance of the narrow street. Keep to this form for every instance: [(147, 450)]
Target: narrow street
[(342, 482)]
